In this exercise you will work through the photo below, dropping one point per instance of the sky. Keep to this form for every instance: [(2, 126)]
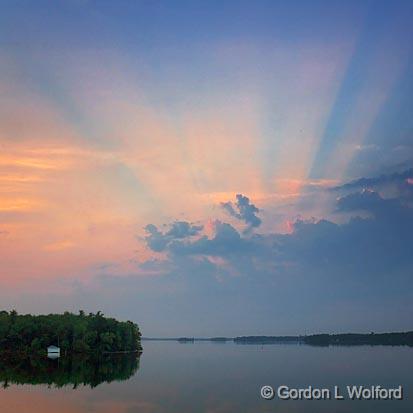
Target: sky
[(209, 168)]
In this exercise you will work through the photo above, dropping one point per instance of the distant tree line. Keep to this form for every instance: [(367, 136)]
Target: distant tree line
[(266, 339), (349, 339), (77, 333)]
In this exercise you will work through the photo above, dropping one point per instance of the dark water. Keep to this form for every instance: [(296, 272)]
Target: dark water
[(207, 377)]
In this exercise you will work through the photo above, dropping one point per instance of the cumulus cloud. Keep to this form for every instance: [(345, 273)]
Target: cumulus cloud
[(226, 242), (157, 240), (243, 210), (183, 229)]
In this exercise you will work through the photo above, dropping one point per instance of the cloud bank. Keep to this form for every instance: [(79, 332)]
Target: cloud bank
[(316, 278)]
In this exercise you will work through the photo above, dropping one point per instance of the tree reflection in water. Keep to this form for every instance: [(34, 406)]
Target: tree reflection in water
[(73, 370)]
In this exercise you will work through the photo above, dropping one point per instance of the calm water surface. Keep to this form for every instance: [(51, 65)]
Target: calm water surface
[(219, 378)]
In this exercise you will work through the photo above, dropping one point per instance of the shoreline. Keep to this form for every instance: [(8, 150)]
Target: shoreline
[(320, 340)]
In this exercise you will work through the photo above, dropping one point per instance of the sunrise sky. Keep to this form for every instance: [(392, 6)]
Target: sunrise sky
[(184, 164)]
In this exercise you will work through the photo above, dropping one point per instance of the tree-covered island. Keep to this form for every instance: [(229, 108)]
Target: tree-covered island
[(73, 333)]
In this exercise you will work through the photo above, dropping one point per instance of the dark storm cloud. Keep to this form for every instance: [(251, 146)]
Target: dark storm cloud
[(243, 210)]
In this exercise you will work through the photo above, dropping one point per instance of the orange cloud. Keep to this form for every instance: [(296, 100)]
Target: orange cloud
[(59, 245), (16, 205)]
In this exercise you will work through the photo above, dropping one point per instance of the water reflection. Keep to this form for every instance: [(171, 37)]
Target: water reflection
[(68, 371), (207, 378)]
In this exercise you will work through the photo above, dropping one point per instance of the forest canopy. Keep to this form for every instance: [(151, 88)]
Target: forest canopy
[(77, 333)]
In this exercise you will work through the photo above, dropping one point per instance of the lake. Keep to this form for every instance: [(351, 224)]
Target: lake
[(173, 377)]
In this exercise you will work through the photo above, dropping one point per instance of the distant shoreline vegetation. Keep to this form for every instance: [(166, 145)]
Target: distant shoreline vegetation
[(72, 333), (347, 339), (386, 339)]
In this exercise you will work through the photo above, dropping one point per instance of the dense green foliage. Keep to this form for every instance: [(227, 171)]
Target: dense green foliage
[(72, 370), (80, 333)]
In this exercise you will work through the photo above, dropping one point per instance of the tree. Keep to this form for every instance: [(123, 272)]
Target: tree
[(74, 333)]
